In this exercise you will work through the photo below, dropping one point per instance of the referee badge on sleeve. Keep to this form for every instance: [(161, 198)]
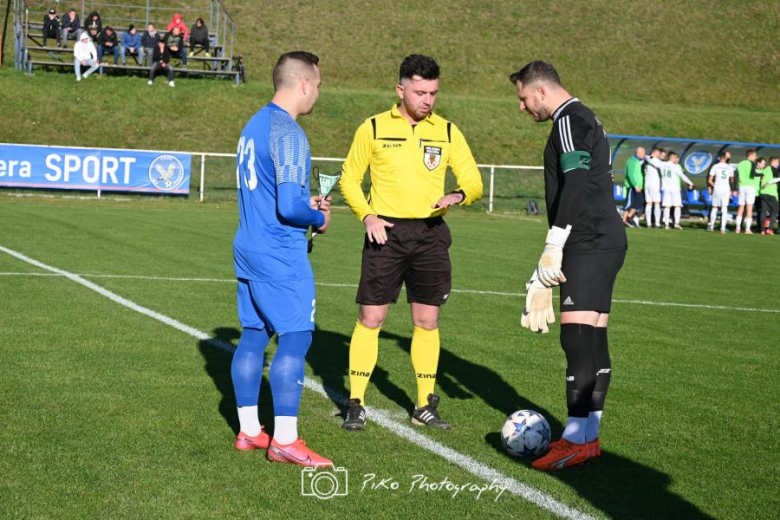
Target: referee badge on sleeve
[(432, 157)]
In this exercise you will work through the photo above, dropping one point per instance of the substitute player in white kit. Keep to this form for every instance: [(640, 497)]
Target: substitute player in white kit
[(652, 191), (721, 181), (671, 172)]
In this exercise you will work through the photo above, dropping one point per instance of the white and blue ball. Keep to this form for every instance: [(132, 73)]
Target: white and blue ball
[(525, 434)]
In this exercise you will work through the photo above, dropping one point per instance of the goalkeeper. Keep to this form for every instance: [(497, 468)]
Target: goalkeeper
[(585, 248)]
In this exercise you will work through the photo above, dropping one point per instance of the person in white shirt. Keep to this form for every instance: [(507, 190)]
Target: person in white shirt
[(84, 53), (671, 173), (721, 184), (652, 191)]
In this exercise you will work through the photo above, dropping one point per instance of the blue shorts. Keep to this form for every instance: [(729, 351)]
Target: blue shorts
[(279, 306), (635, 200)]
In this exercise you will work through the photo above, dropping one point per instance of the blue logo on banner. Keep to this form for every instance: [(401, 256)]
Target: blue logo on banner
[(166, 172), (697, 162)]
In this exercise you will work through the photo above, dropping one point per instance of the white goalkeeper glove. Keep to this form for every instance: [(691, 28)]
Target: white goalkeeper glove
[(549, 268), (538, 311)]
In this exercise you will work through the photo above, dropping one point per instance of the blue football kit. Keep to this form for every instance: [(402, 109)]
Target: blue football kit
[(276, 283)]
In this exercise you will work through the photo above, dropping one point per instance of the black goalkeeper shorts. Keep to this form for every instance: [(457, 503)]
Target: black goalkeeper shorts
[(590, 278), (416, 253)]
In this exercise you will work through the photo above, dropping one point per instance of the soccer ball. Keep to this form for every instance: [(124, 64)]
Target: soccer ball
[(525, 434)]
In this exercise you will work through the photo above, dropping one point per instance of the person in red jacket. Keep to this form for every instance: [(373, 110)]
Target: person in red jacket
[(178, 21)]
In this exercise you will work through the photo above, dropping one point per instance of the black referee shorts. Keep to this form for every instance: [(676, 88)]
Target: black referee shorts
[(416, 253), (590, 278)]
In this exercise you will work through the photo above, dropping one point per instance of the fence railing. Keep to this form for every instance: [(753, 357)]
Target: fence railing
[(510, 194)]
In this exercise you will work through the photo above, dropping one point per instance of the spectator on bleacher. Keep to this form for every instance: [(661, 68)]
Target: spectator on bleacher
[(84, 54), (107, 44), (199, 35), (51, 27), (149, 41), (161, 62), (174, 40), (633, 182), (178, 21), (769, 195), (131, 45), (69, 28), (94, 25)]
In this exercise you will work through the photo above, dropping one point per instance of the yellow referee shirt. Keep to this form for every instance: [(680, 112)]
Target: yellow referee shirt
[(407, 165)]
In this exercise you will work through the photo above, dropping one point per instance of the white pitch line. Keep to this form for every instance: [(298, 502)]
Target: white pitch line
[(354, 286), (379, 416)]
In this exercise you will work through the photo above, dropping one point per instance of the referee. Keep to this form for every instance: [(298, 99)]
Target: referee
[(587, 242), (407, 150)]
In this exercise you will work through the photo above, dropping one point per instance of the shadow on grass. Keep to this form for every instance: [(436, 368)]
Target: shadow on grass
[(620, 487), (218, 368), (617, 486)]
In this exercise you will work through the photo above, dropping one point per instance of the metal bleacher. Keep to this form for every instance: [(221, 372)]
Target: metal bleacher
[(30, 53)]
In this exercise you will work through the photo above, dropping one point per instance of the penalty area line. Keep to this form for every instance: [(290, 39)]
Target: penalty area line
[(381, 417)]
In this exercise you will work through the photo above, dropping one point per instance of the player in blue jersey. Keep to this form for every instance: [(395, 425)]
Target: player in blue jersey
[(275, 279)]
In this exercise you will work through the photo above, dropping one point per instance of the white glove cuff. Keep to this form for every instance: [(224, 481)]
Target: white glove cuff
[(557, 236)]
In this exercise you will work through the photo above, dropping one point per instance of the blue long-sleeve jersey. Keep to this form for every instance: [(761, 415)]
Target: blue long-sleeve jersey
[(273, 162)]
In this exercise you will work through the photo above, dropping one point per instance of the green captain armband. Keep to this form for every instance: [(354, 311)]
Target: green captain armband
[(575, 160)]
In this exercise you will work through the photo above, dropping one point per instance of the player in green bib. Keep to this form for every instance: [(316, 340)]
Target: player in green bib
[(749, 185), (769, 195)]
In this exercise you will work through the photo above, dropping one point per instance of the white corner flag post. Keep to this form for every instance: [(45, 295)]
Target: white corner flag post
[(325, 184)]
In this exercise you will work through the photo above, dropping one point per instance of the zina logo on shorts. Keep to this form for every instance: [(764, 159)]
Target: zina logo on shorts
[(166, 172)]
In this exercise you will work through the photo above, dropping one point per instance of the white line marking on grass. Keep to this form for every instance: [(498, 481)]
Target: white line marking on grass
[(379, 416), (354, 286)]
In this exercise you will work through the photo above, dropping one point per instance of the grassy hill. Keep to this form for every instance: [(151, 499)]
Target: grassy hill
[(646, 68)]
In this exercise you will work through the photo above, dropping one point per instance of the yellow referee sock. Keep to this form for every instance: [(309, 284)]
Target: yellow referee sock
[(425, 360), (363, 353)]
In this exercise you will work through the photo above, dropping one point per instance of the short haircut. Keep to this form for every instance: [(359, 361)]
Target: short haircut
[(536, 71), (760, 159), (772, 159), (750, 151), (723, 155), (281, 67), (656, 149), (672, 152), (418, 65)]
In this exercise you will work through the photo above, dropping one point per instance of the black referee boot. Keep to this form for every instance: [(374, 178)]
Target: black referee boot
[(428, 415), (356, 416)]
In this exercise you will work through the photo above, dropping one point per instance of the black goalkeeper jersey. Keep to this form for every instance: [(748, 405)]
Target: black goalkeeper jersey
[(578, 145)]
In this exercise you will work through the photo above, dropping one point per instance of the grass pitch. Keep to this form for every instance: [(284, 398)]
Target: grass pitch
[(107, 413)]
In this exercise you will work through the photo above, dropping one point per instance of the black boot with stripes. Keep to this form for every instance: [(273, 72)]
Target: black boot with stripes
[(356, 416), (429, 416)]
